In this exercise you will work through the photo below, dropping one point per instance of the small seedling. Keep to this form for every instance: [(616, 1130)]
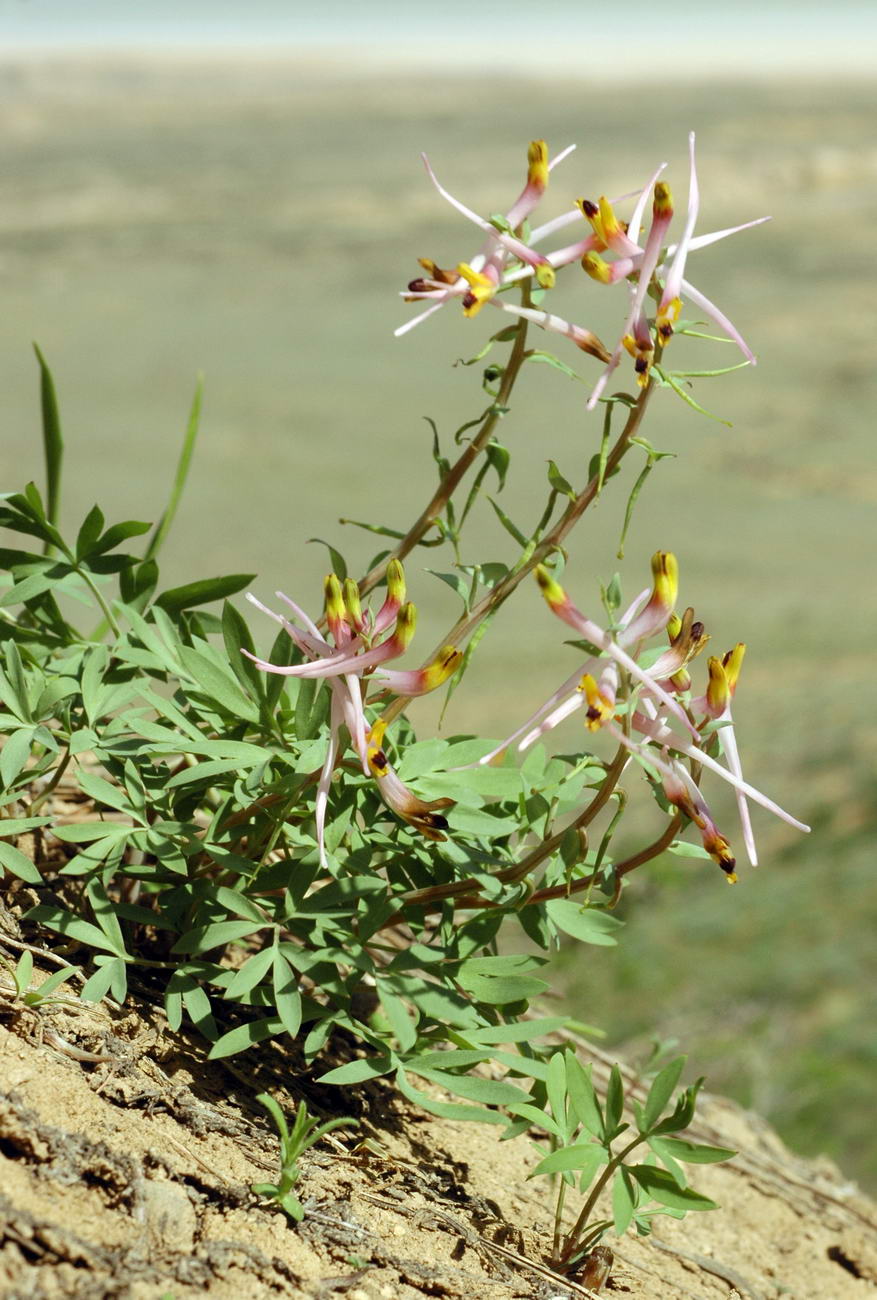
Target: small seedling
[(294, 1142), (583, 1133), (22, 974)]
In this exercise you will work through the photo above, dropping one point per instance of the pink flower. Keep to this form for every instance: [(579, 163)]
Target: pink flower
[(658, 730), (506, 257), (350, 666)]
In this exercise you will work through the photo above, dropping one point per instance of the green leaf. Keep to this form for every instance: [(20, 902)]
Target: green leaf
[(688, 399), (24, 971), (49, 985), (682, 849), (55, 690), (586, 1157), (662, 1089), (215, 935), (117, 533), (548, 359), (522, 1031), (89, 533), (663, 1188), (456, 583), (538, 1119), (13, 684), (98, 984), (490, 1092), (503, 989), (370, 1067), (53, 441), (18, 825), (401, 1022), (445, 1109), (219, 685), (103, 792), (508, 525), (339, 565), (82, 832), (20, 865), (14, 755), (692, 1153), (238, 1040), (614, 1100), (185, 461), (624, 1201), (250, 974), (582, 1096), (176, 599), (558, 482), (585, 923), (73, 927), (556, 1091), (287, 998)]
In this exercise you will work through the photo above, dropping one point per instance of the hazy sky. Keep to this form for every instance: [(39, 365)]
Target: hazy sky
[(806, 36)]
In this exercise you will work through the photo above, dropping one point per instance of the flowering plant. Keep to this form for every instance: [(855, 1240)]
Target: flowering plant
[(268, 844)]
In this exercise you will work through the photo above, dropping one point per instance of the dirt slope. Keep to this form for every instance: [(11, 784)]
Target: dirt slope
[(125, 1165)]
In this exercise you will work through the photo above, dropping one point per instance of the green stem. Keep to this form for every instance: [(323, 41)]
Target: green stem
[(451, 481), (105, 609), (551, 542), (37, 802), (572, 1237)]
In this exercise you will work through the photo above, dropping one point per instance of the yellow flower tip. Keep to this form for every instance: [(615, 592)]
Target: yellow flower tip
[(597, 268), (551, 590), (674, 626), (377, 759), (406, 622), (600, 708), (545, 275), (445, 663), (731, 877), (717, 691), (667, 317), (609, 221), (732, 662), (662, 205), (630, 345), (537, 164), (481, 289), (681, 681), (720, 851), (333, 596), (591, 212), (395, 581), (665, 571), (351, 600)]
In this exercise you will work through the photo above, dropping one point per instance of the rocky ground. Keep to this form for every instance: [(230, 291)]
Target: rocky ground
[(126, 1162)]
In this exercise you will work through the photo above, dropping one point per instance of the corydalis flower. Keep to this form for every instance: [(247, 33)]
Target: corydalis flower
[(350, 666), (502, 258), (424, 815), (657, 726), (643, 268), (654, 267)]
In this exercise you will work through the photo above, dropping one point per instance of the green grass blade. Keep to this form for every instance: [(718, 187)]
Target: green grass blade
[(53, 442), (163, 526)]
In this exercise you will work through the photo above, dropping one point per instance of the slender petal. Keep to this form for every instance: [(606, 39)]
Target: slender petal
[(670, 306)]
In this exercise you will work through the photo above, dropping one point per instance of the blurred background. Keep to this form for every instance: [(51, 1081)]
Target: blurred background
[(237, 189)]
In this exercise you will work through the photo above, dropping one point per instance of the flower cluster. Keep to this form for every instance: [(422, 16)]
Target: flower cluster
[(351, 664), (650, 708), (647, 266)]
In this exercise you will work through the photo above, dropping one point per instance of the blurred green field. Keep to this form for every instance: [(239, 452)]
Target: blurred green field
[(256, 221)]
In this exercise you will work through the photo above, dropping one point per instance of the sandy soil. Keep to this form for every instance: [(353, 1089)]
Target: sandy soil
[(126, 1163)]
